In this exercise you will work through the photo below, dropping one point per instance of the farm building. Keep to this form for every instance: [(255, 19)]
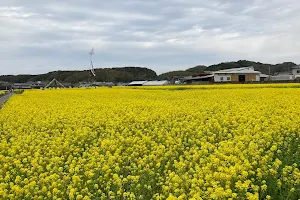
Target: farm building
[(296, 71), (264, 77), (243, 74), (4, 85), (155, 83), (200, 78), (283, 77), (22, 86), (292, 75), (38, 85), (137, 83), (177, 79)]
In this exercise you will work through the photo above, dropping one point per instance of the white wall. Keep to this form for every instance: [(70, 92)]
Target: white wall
[(257, 77), (295, 71), (283, 78), (218, 77)]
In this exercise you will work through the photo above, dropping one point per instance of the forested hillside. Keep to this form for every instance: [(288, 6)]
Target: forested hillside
[(125, 74)]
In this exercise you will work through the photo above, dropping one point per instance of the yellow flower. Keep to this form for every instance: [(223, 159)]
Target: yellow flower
[(171, 197), (170, 142), (264, 187)]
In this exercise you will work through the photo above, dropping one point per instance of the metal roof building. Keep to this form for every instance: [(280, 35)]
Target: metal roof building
[(155, 83), (241, 70), (242, 74), (21, 86), (148, 83), (137, 83), (199, 79), (286, 77)]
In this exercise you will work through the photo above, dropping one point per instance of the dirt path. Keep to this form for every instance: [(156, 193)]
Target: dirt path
[(4, 98)]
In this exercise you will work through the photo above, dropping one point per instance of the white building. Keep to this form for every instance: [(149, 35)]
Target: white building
[(296, 71), (288, 75), (242, 74)]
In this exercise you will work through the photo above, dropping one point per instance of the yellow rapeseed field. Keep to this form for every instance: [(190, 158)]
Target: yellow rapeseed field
[(195, 142)]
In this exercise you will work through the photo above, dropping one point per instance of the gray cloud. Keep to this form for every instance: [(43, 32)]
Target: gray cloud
[(163, 35)]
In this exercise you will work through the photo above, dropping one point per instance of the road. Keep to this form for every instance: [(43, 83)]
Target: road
[(4, 98)]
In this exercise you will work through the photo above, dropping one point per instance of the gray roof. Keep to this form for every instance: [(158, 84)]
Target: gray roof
[(137, 83), (21, 84), (153, 83), (240, 70), (264, 75), (199, 77), (296, 67)]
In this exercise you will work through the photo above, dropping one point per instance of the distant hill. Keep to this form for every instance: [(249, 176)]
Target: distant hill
[(189, 72), (125, 74), (196, 70)]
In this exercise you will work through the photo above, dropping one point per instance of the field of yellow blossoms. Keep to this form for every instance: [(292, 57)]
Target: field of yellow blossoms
[(198, 142)]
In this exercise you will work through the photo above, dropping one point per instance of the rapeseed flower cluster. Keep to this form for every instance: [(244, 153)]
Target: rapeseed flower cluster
[(151, 143)]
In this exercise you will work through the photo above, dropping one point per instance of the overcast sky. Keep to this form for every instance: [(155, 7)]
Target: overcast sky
[(41, 36)]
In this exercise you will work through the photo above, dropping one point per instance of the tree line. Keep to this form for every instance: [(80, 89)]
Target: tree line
[(125, 74)]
